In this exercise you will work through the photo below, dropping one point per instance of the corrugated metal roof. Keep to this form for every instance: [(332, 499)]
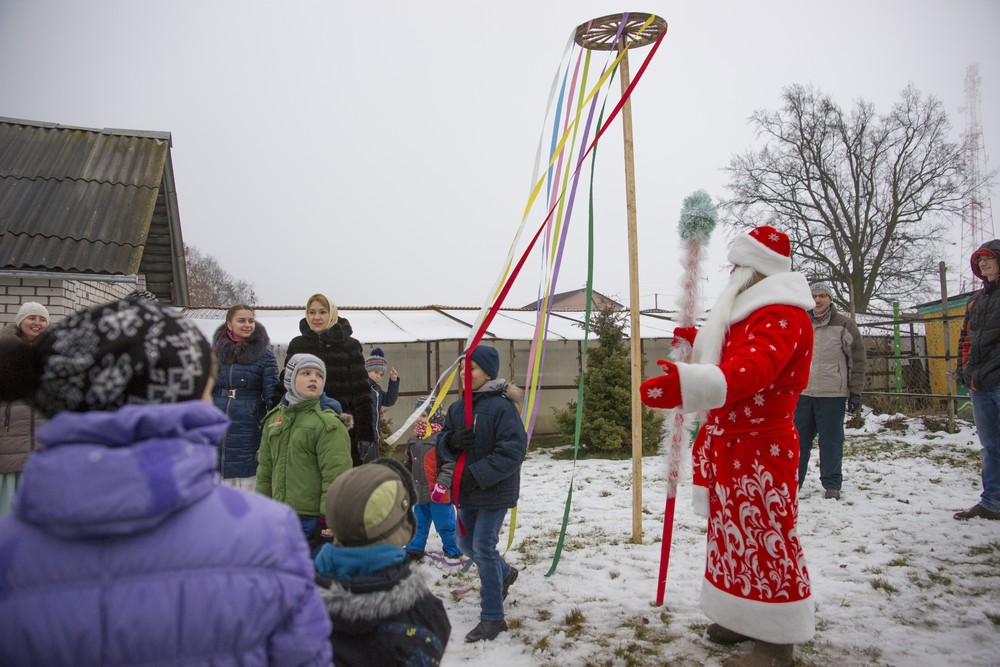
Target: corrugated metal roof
[(77, 199)]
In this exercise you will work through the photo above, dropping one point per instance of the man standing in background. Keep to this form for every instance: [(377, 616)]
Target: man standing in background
[(836, 379)]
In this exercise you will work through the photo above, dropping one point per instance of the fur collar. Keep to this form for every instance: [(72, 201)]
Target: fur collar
[(399, 588), (246, 351), (780, 289), (500, 386), (340, 330), (785, 289)]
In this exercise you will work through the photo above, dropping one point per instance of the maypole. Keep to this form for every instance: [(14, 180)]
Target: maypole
[(613, 33), (698, 218)]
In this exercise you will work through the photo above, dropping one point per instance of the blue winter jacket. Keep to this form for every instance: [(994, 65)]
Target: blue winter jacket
[(382, 399), (248, 374), (494, 461), (122, 549)]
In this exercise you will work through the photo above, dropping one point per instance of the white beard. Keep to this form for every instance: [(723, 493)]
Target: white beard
[(708, 343)]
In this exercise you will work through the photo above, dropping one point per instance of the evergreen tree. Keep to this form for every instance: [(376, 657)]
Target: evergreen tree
[(607, 405)]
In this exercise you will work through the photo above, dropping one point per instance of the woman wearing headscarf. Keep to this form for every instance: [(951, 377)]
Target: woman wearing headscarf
[(329, 337)]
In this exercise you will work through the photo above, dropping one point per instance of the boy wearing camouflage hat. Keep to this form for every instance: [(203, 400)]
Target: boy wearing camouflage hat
[(382, 611)]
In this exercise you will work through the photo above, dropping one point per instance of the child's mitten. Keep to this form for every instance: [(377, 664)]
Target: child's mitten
[(438, 492)]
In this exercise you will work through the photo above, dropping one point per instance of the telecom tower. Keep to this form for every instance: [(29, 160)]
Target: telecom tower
[(977, 210)]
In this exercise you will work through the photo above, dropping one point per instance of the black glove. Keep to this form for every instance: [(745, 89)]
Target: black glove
[(854, 403), (468, 482), (461, 439)]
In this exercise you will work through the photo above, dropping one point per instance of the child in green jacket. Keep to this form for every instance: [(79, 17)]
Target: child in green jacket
[(303, 447)]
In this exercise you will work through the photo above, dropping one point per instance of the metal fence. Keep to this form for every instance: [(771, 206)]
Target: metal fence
[(911, 365)]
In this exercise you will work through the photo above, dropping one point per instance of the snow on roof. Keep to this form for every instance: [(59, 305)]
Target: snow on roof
[(428, 323)]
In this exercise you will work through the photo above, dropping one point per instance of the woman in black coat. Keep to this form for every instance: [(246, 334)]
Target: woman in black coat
[(248, 374), (328, 337)]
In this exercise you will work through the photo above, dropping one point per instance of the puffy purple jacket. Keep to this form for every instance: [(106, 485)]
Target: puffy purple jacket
[(123, 550)]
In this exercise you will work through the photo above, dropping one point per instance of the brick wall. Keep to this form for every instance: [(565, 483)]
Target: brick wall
[(61, 297)]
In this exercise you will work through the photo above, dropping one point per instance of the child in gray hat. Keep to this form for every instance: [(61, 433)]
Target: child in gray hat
[(303, 447)]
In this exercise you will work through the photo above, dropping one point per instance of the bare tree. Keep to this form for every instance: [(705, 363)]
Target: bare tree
[(211, 285), (856, 192)]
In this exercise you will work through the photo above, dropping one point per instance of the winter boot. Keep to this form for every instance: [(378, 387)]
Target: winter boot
[(764, 654), (977, 512), (486, 630), (721, 635), (509, 580)]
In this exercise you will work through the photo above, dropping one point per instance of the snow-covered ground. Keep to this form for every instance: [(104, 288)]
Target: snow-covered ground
[(896, 580)]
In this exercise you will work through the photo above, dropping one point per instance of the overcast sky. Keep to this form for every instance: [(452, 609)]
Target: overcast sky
[(381, 153)]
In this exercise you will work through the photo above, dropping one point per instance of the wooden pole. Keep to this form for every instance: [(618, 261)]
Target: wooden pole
[(942, 272), (633, 289), (600, 34)]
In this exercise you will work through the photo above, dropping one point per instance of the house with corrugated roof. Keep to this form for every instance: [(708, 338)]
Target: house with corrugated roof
[(86, 216), (577, 300)]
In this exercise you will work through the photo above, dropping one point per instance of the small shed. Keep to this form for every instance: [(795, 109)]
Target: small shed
[(937, 319), (89, 215)]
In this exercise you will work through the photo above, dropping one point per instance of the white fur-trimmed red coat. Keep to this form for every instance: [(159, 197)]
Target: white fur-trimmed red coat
[(746, 460)]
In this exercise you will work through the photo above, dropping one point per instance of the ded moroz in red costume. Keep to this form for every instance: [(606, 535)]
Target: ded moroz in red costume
[(750, 362)]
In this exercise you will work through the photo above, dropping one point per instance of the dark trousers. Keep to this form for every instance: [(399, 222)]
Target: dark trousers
[(823, 417)]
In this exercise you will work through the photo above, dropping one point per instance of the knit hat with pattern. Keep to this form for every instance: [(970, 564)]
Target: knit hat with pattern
[(123, 353), (375, 361)]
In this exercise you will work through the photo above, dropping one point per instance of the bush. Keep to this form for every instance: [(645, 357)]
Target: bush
[(607, 402)]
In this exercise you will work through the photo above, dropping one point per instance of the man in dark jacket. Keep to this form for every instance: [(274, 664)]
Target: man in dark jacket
[(487, 479), (979, 368)]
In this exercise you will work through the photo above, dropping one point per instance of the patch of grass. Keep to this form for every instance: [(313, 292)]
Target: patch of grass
[(899, 561), (935, 424), (897, 424), (985, 549), (515, 623), (873, 569), (544, 615), (881, 583), (574, 622), (939, 579), (541, 645), (634, 654), (614, 574), (605, 493), (994, 618)]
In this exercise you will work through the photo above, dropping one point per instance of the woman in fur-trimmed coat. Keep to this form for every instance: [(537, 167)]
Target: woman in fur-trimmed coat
[(326, 335), (248, 374)]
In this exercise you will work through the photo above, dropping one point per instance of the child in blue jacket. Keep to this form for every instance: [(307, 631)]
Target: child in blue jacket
[(487, 478)]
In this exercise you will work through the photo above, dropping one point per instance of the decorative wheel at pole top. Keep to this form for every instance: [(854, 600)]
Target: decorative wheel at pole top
[(599, 34)]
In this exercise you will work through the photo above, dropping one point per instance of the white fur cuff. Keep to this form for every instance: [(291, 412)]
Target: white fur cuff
[(703, 387)]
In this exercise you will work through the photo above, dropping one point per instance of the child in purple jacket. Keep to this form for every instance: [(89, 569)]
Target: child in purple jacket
[(122, 547)]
